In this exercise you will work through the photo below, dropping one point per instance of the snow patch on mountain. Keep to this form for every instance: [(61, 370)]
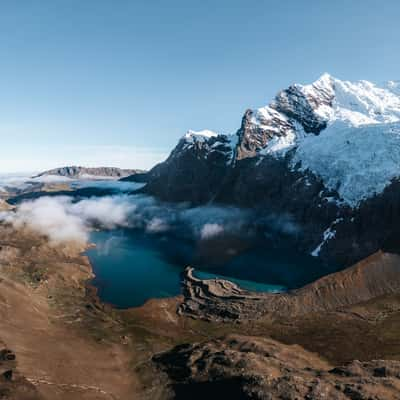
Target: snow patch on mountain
[(319, 94), (367, 103), (269, 119), (328, 234), (280, 144), (355, 103), (199, 136)]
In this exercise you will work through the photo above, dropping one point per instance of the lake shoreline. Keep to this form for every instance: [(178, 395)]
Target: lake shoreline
[(132, 267)]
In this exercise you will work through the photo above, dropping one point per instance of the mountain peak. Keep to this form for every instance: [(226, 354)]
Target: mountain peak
[(325, 79), (205, 133), (199, 136)]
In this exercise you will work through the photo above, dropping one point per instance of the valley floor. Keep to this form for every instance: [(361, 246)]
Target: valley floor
[(68, 345)]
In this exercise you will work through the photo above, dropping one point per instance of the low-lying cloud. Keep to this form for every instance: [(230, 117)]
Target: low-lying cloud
[(157, 225), (105, 212), (63, 218), (50, 217), (211, 230), (14, 182)]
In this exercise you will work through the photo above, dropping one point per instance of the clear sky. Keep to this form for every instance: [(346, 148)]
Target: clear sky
[(98, 82)]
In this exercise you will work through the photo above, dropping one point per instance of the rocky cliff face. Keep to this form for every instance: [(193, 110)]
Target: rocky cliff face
[(194, 170), (327, 153)]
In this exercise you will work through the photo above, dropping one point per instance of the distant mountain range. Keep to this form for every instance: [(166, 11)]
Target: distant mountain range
[(325, 154), (76, 172)]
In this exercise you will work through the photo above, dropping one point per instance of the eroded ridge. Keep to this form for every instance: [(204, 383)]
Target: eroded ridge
[(222, 300)]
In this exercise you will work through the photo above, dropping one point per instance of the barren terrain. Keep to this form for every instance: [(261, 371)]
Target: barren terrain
[(68, 345)]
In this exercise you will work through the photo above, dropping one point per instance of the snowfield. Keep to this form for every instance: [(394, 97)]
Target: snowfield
[(357, 162)]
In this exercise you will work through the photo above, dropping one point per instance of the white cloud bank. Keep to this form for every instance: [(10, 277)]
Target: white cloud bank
[(62, 218), (211, 230), (50, 217)]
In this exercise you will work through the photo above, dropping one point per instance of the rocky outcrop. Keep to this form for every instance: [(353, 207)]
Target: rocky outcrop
[(221, 300), (302, 106), (75, 172), (239, 366), (194, 170), (258, 128), (242, 367)]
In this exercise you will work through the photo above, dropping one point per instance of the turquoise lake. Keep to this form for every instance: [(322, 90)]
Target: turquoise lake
[(132, 266)]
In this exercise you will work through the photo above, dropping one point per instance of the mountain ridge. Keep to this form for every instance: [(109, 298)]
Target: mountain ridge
[(79, 172), (325, 153)]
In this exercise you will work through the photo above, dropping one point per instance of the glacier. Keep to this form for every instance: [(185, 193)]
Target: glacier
[(358, 153)]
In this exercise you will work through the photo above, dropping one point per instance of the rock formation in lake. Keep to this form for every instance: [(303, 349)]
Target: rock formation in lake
[(75, 172), (327, 154)]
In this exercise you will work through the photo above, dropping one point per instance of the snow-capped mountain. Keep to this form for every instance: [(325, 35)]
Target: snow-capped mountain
[(326, 103), (331, 145), (210, 142), (357, 151), (346, 133)]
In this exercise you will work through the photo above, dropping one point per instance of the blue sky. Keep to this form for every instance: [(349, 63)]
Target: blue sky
[(99, 82)]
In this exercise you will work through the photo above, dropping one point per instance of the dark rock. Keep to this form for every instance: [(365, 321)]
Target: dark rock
[(7, 355), (7, 375), (139, 177), (296, 105), (193, 172), (242, 367)]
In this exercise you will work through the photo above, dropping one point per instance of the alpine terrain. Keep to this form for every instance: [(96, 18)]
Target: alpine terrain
[(326, 155)]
